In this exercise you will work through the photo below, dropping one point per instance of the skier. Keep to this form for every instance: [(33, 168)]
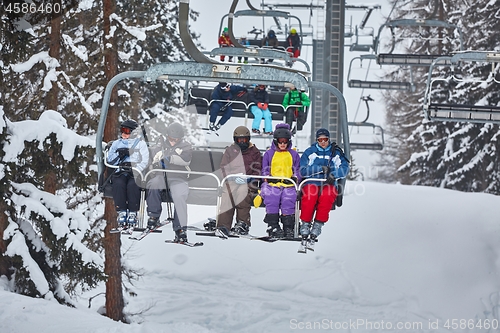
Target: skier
[(222, 97), (127, 153), (293, 45), (225, 41), (176, 154), (270, 41), (242, 157), (322, 160), (260, 110), (243, 41), (280, 161), (294, 102)]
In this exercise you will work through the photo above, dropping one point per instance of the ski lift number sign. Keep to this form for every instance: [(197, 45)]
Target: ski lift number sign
[(226, 69)]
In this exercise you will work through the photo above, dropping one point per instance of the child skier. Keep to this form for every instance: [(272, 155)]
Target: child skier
[(280, 194)]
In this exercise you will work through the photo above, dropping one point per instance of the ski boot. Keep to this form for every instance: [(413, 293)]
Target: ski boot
[(241, 228), (122, 218), (288, 222), (255, 131), (273, 228), (222, 232), (210, 225), (180, 236), (153, 222), (315, 232), (214, 127)]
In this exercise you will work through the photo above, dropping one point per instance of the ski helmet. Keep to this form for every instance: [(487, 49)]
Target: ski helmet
[(224, 85), (271, 34), (293, 31), (175, 130), (322, 132), (242, 132), (282, 131), (129, 123)]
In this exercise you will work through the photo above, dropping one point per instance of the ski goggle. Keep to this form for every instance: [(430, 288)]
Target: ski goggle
[(283, 141), (242, 140), (174, 139), (321, 140), (125, 130)]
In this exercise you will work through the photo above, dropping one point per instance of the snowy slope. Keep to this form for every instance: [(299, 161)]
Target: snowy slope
[(392, 255)]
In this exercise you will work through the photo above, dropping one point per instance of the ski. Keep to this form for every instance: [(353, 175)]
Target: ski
[(310, 244), (213, 234), (209, 130), (272, 239), (147, 231), (118, 230), (184, 243), (302, 246)]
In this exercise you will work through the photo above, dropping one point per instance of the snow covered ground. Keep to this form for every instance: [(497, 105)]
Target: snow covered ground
[(394, 258)]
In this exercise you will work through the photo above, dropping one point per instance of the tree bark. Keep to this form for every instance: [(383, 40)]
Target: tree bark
[(51, 101), (112, 242)]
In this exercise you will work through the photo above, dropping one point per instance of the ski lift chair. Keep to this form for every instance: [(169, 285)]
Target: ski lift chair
[(457, 112), (390, 58), (376, 130), (370, 84)]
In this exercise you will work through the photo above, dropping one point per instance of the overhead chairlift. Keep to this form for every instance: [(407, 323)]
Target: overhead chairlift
[(372, 84), (376, 130), (456, 112), (361, 34), (205, 69), (405, 59), (256, 52)]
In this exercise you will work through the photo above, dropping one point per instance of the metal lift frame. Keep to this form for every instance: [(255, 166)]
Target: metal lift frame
[(390, 85), (207, 70), (356, 46), (262, 53), (364, 123), (390, 58), (460, 112)]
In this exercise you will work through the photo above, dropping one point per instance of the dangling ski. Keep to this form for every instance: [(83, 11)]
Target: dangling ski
[(210, 131), (147, 231), (306, 244), (302, 246), (118, 229), (184, 243)]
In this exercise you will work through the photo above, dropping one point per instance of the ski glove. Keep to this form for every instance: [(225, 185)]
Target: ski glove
[(123, 153), (240, 181), (159, 156), (326, 169)]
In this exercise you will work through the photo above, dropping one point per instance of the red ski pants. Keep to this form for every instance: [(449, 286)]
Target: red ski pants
[(314, 198)]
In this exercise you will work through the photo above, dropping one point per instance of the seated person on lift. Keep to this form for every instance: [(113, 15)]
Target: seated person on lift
[(127, 153), (270, 41), (225, 41), (260, 97), (294, 102), (175, 154), (242, 157), (223, 96), (293, 45)]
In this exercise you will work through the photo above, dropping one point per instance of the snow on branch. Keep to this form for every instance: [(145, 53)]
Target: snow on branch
[(50, 63), (139, 33), (30, 130), (63, 222)]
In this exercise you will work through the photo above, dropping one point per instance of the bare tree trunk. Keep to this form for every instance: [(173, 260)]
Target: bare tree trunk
[(112, 242), (51, 102), (5, 263)]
